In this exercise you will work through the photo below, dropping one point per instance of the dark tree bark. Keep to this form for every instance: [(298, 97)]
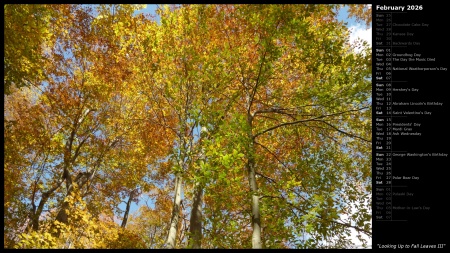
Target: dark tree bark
[(127, 210), (195, 229)]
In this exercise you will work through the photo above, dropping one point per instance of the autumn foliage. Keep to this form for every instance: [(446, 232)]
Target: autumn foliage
[(229, 126)]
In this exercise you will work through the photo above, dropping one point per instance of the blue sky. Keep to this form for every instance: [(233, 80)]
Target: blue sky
[(150, 9)]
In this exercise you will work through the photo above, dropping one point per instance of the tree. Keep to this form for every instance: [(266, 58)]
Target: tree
[(275, 58), (82, 118)]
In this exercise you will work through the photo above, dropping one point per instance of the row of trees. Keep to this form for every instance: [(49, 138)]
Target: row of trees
[(249, 126)]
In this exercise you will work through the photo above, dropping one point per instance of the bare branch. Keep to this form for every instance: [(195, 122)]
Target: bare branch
[(276, 110), (266, 177), (305, 120), (345, 133)]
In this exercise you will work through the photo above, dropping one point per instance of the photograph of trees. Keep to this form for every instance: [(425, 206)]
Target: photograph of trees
[(198, 126)]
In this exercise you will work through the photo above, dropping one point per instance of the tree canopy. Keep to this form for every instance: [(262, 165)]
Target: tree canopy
[(246, 126)]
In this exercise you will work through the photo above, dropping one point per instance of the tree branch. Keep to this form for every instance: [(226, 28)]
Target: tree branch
[(345, 133), (266, 177), (270, 152), (257, 83), (77, 150), (305, 120), (276, 110), (281, 162)]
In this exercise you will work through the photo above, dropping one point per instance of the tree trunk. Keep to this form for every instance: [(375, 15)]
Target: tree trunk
[(171, 238), (256, 217), (62, 214), (127, 210), (37, 213), (195, 240)]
